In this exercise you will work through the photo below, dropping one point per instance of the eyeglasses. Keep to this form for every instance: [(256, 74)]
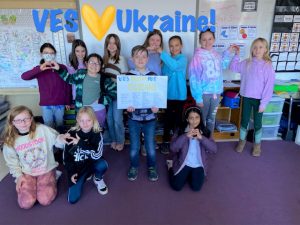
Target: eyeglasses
[(94, 63), (25, 120)]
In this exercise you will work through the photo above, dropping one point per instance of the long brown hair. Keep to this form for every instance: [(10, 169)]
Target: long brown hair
[(150, 34), (11, 133), (107, 55)]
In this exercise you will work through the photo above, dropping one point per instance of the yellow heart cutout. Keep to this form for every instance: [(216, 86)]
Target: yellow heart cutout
[(98, 25)]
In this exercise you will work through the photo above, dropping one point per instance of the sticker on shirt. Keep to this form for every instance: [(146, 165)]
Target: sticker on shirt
[(35, 158)]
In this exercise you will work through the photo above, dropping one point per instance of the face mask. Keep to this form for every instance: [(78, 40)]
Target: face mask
[(48, 57)]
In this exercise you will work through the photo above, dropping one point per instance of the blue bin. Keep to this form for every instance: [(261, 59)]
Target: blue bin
[(232, 103)]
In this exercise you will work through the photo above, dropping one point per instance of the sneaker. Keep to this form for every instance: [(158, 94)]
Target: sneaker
[(132, 173), (58, 173), (152, 174), (169, 163), (101, 186), (143, 150), (165, 149)]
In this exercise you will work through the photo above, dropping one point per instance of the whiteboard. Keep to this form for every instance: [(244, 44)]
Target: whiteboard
[(20, 45)]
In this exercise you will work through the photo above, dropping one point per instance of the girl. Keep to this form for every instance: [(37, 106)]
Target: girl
[(77, 58), (91, 87), (114, 64), (206, 80), (174, 66), (256, 71), (83, 154), (189, 152), (28, 154), (54, 92), (153, 42)]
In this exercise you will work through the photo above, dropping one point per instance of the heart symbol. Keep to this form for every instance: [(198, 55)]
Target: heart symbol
[(98, 25)]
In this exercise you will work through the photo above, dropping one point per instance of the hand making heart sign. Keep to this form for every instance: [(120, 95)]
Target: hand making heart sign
[(48, 65)]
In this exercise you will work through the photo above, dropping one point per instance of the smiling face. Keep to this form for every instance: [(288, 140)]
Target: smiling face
[(193, 120), (80, 53), (112, 46), (85, 122), (140, 59), (22, 122), (259, 50), (93, 66), (175, 46), (155, 41), (207, 40)]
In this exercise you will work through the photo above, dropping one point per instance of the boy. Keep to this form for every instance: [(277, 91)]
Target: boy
[(141, 120)]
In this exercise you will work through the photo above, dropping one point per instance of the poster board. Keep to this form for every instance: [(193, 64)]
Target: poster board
[(20, 44)]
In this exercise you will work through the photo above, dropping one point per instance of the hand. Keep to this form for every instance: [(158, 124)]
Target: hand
[(194, 133), (200, 104), (261, 109), (55, 65), (68, 107), (73, 140), (235, 48), (154, 109), (74, 178), (20, 181), (64, 138), (130, 109)]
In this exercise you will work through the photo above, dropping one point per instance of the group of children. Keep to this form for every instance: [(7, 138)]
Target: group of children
[(28, 145)]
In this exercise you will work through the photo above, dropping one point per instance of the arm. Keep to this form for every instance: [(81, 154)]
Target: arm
[(178, 142), (268, 87), (31, 74), (195, 75), (109, 93), (236, 65), (12, 161), (69, 78), (178, 64), (209, 144)]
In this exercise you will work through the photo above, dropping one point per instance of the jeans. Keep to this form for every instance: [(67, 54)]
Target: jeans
[(99, 168), (115, 123), (135, 129), (209, 110), (53, 115)]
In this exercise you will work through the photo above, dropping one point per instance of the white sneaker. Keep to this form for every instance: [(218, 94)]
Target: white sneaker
[(101, 186), (58, 173)]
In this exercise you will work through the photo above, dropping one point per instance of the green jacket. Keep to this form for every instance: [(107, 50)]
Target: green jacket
[(108, 88)]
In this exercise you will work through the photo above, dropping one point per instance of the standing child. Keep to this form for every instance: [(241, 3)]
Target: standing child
[(54, 92), (141, 120), (114, 65), (28, 154), (257, 82), (77, 59), (174, 66), (83, 154), (189, 150), (91, 86), (206, 80)]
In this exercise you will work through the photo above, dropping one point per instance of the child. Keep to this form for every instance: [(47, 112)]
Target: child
[(189, 152), (77, 59), (174, 66), (141, 120), (54, 92), (153, 42), (91, 86), (28, 154), (114, 64), (257, 82), (83, 154), (206, 80)]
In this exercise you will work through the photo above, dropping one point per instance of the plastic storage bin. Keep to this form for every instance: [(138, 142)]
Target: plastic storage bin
[(271, 118), (275, 105), (231, 102), (269, 132)]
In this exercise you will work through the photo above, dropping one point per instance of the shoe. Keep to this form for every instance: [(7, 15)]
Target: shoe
[(119, 147), (240, 147), (169, 163), (152, 174), (58, 173), (132, 173), (101, 186), (256, 150), (165, 149), (143, 150)]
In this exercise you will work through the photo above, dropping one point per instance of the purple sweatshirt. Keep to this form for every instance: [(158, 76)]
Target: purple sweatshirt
[(179, 148), (257, 78), (53, 89)]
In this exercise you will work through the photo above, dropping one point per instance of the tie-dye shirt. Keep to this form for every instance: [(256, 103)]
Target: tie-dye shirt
[(205, 73)]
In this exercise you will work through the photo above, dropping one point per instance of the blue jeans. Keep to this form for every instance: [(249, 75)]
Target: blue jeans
[(135, 129), (53, 115), (99, 168), (115, 123)]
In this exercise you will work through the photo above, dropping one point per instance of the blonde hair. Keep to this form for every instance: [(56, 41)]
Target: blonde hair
[(11, 133), (266, 56), (90, 112)]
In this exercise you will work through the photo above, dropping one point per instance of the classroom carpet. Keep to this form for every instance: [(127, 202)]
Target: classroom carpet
[(239, 190)]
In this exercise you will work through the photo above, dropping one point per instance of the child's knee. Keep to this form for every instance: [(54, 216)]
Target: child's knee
[(26, 203), (47, 196)]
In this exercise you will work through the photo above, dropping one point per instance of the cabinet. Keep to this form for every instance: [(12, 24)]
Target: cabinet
[(229, 115)]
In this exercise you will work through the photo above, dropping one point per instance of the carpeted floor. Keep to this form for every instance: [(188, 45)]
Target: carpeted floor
[(240, 190)]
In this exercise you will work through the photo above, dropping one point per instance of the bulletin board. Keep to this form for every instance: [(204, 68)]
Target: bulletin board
[(20, 44), (284, 47)]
